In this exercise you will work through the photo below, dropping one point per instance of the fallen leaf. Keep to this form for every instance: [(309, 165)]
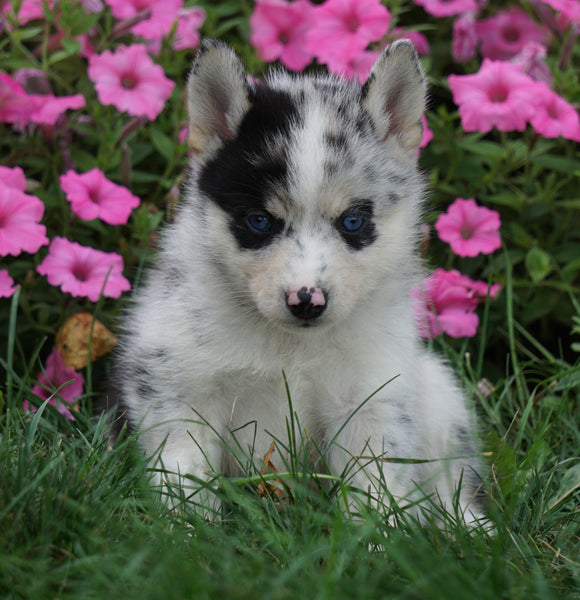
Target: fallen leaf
[(275, 488), (72, 340)]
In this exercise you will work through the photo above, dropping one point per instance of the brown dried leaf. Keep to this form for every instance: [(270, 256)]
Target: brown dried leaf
[(72, 340), (274, 489)]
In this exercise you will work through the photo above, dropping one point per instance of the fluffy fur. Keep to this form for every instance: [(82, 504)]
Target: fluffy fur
[(294, 252)]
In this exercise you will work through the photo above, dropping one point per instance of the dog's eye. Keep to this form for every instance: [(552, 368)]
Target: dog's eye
[(259, 222), (352, 223)]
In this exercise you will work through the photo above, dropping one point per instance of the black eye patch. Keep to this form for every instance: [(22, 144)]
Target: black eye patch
[(356, 225)]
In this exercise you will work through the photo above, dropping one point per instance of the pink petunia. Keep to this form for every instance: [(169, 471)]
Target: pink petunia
[(44, 108), (342, 29), (13, 177), (49, 107), (15, 106), (498, 95), (127, 9), (19, 108), (447, 8), (31, 10), (531, 61), (553, 116), (159, 23), (189, 22), (464, 39), (445, 303), (505, 34), (20, 230), (94, 196), (129, 80), (278, 31), (58, 382), (83, 271), (570, 9), (469, 229), (7, 287), (358, 66)]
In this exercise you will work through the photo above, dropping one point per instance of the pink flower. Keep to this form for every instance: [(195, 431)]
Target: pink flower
[(31, 10), (159, 24), (447, 8), (464, 41), (7, 287), (83, 271), (553, 116), (49, 107), (94, 196), (44, 107), (570, 9), (531, 61), (20, 108), (445, 303), (58, 382), (505, 34), (278, 31), (189, 22), (342, 29), (469, 229), (13, 177), (14, 105), (127, 9), (358, 66), (498, 95), (20, 214), (129, 80)]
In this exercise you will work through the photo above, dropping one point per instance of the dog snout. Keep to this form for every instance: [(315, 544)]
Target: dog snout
[(307, 303)]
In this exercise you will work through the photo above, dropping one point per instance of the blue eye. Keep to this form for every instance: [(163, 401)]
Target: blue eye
[(259, 222), (352, 223)]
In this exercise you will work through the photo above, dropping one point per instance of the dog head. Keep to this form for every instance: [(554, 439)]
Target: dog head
[(307, 185)]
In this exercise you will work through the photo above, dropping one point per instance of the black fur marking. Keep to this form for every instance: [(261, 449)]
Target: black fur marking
[(367, 234), (397, 179), (242, 174), (394, 198), (331, 168), (365, 88), (337, 141)]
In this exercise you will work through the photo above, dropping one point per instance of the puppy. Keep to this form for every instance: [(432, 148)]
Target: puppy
[(294, 252)]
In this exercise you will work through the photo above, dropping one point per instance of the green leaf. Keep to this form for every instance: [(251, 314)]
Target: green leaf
[(483, 148), (162, 143), (569, 484), (556, 163), (538, 264)]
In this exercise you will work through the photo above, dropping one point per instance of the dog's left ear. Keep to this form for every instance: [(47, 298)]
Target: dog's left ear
[(394, 95), (218, 97)]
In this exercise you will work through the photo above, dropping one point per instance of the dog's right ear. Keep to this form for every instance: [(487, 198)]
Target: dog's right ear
[(218, 97)]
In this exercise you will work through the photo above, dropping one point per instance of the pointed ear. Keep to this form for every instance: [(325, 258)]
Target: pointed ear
[(218, 97), (394, 95)]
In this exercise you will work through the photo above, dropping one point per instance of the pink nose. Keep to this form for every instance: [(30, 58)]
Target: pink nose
[(307, 303)]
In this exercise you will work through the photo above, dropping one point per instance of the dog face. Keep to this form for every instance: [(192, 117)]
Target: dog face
[(308, 186)]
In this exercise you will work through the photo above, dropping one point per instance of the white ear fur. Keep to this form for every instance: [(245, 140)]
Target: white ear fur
[(218, 97), (394, 95)]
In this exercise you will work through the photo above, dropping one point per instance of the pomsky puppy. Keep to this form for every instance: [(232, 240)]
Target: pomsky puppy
[(292, 256)]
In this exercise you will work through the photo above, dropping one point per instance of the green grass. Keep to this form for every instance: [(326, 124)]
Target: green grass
[(79, 519)]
